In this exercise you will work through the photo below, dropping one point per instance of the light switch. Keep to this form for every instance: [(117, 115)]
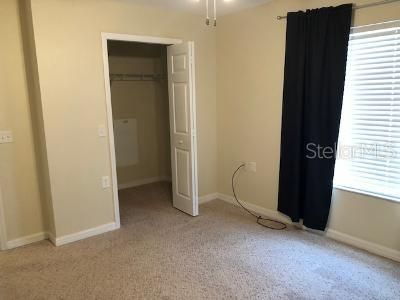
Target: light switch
[(6, 137), (105, 182), (102, 131)]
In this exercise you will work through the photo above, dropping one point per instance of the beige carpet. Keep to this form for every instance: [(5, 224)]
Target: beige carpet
[(162, 253)]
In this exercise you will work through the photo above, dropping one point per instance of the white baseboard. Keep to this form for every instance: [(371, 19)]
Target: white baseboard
[(140, 182), (208, 198), (51, 238), (29, 239), (70, 238), (61, 240), (363, 244), (330, 233), (269, 213)]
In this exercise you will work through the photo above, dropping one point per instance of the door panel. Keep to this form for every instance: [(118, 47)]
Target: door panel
[(183, 173), (180, 108), (179, 63), (183, 127)]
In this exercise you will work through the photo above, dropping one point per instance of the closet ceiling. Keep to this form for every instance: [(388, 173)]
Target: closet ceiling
[(198, 7)]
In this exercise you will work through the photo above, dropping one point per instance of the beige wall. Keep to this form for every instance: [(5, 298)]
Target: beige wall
[(69, 55), (145, 101), (37, 115), (250, 52), (18, 171), (250, 55)]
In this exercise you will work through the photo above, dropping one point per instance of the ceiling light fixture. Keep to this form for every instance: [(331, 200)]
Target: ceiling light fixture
[(214, 11), (208, 12)]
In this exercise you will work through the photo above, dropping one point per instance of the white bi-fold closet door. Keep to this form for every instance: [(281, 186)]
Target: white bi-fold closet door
[(182, 107)]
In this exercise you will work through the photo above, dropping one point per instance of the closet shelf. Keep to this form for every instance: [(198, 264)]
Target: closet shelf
[(136, 77)]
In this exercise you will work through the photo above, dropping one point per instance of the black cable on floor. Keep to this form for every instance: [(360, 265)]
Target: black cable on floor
[(282, 225)]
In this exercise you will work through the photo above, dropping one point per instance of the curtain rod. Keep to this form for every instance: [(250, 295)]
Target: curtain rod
[(358, 6)]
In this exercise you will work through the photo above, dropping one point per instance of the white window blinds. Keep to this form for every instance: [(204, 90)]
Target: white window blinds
[(368, 158)]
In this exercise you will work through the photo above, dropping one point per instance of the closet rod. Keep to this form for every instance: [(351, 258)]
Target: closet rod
[(358, 6), (136, 77)]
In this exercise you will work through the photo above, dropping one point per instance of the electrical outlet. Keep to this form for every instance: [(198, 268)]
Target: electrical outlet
[(105, 182), (6, 137), (251, 167)]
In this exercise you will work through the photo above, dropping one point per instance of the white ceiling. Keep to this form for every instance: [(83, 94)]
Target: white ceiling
[(198, 7)]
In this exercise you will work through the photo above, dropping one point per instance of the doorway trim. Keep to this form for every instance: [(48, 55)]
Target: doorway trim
[(105, 37), (3, 232)]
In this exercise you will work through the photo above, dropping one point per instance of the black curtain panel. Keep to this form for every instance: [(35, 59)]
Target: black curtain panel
[(315, 67)]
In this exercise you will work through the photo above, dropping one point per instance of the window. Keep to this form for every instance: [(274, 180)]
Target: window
[(368, 158)]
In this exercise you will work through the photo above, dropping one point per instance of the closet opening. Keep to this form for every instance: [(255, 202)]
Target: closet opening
[(140, 110), (151, 110)]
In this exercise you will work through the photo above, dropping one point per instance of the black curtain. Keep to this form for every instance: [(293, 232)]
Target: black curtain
[(315, 67)]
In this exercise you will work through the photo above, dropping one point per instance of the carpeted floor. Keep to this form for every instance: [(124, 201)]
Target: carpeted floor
[(162, 253)]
